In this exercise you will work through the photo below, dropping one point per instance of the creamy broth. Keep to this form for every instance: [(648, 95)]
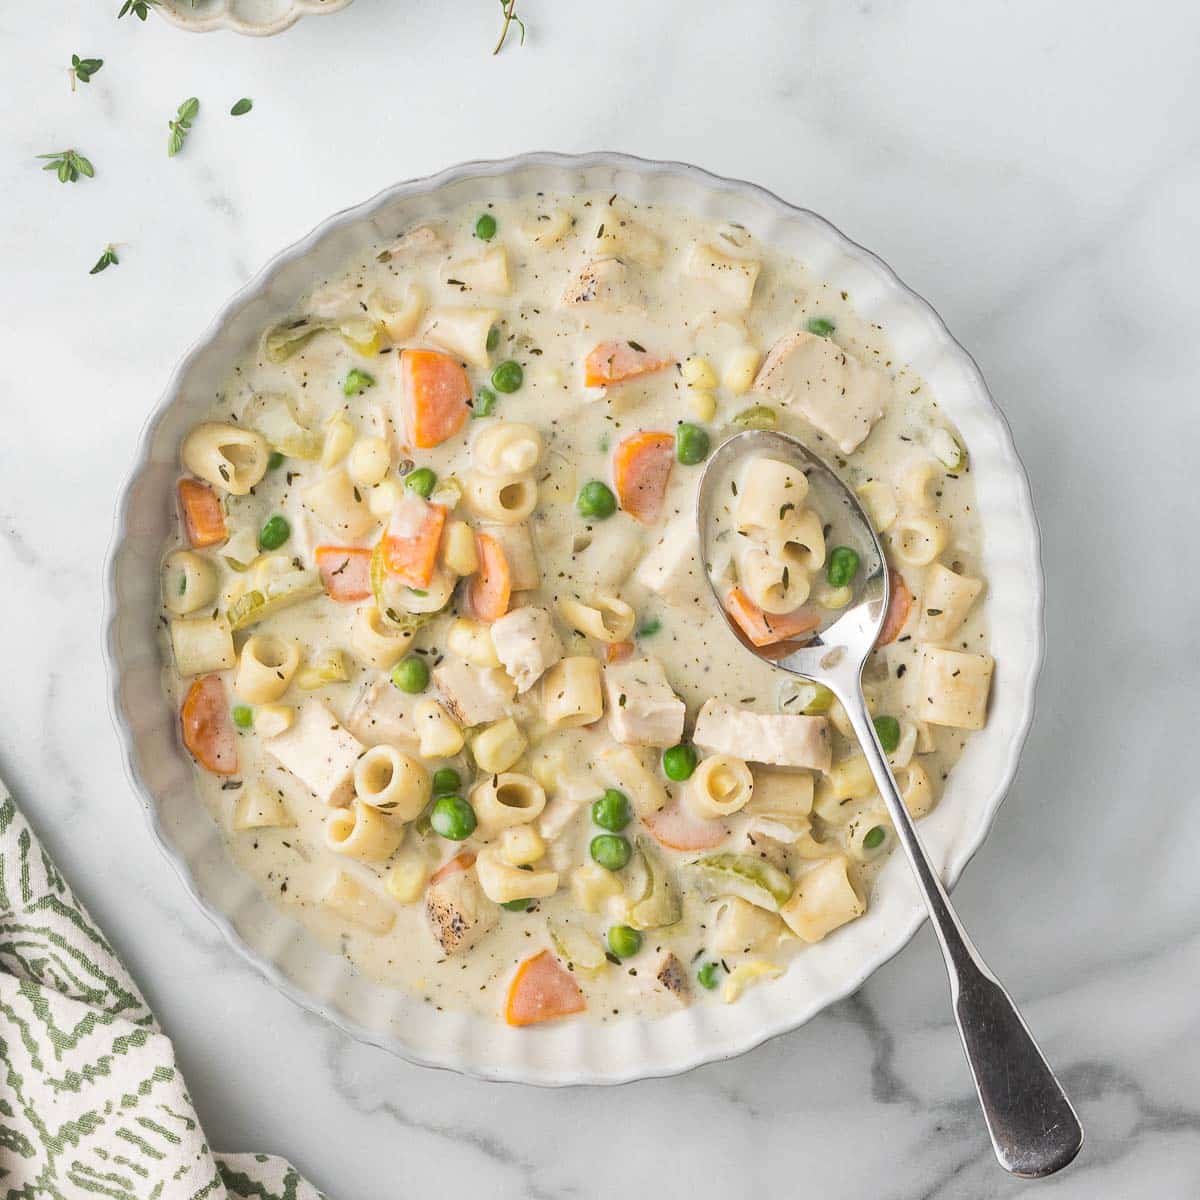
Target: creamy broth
[(560, 276)]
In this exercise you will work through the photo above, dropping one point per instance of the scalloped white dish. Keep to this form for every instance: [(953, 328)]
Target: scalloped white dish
[(570, 1052), (258, 18)]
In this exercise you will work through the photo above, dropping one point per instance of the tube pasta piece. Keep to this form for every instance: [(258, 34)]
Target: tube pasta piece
[(277, 417), (526, 643), (393, 782), (906, 747), (498, 746), (507, 448), (189, 582), (631, 242), (362, 832), (227, 456), (720, 786), (399, 318), (918, 538), (915, 485), (747, 974), (743, 928), (339, 505), (507, 499), (439, 734), (369, 460), (462, 332), (731, 279), (571, 693), (954, 688), (800, 541), (265, 668), (376, 641), (487, 273), (270, 720), (642, 708), (502, 882), (356, 903), (459, 554), (824, 899), (320, 753), (260, 807), (506, 799), (770, 583), (946, 601), (608, 619), (859, 834), (625, 770), (916, 790), (201, 644), (781, 795), (472, 642), (770, 491), (879, 500), (547, 228), (521, 845)]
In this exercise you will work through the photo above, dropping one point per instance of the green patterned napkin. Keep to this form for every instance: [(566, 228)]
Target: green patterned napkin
[(91, 1101)]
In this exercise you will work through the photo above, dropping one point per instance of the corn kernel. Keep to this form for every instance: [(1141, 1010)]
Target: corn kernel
[(382, 498), (521, 845), (698, 372), (339, 437), (740, 369), (406, 881), (703, 403), (498, 746), (458, 549)]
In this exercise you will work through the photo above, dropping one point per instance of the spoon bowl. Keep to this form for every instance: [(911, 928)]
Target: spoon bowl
[(1033, 1127)]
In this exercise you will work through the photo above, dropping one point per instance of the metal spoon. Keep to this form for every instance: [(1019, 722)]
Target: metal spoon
[(1034, 1129)]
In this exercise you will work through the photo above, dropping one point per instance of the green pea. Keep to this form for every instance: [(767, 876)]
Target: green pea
[(485, 227), (243, 717), (610, 850), (623, 941), (821, 326), (649, 628), (422, 481), (691, 444), (485, 403), (612, 811), (888, 730), (874, 838), (679, 762), (517, 905), (357, 382), (274, 533), (595, 501), (453, 818), (706, 977), (445, 781), (508, 376), (274, 461), (843, 566), (411, 674), (493, 339)]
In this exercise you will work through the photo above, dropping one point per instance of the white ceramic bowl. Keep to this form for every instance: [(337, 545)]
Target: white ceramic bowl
[(572, 1051), (259, 18)]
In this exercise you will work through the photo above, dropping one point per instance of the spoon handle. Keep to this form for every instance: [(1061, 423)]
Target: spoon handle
[(1033, 1127)]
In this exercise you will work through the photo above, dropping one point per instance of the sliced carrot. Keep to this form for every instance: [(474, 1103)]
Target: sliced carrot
[(410, 544), (641, 468), (614, 362), (345, 572), (676, 828), (766, 629), (207, 727), (490, 589), (615, 652), (203, 517), (899, 603), (434, 390), (542, 990), (460, 862)]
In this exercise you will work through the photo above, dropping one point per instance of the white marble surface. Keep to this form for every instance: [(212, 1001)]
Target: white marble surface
[(1034, 170)]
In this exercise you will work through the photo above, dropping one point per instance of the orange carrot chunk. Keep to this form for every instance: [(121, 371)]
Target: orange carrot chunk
[(490, 589), (207, 727), (345, 572), (765, 629), (618, 651), (899, 602), (460, 862), (614, 362), (434, 390), (542, 990), (203, 517), (641, 468), (410, 544), (677, 829)]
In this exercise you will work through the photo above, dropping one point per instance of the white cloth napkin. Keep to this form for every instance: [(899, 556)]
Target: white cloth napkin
[(91, 1101)]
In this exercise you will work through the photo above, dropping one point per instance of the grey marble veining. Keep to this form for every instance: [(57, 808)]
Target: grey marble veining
[(1033, 170)]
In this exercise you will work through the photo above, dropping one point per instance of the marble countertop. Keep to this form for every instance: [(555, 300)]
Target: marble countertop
[(1033, 170)]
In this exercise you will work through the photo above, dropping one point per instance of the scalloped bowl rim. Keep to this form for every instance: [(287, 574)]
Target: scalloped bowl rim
[(224, 19), (632, 1054)]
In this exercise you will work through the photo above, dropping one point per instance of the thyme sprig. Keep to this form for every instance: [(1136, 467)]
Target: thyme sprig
[(107, 259), (139, 8), (69, 164), (181, 126), (83, 69), (510, 15)]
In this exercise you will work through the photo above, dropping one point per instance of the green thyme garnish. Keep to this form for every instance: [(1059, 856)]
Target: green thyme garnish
[(139, 8), (509, 7), (182, 125), (69, 164), (83, 69), (107, 259), (242, 107)]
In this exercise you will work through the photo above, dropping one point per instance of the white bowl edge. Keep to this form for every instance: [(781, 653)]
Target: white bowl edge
[(586, 1052)]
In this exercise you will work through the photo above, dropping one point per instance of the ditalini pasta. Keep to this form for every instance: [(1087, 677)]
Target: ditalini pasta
[(437, 623)]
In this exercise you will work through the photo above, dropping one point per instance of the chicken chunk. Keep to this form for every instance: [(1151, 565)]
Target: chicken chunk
[(527, 645), (836, 393), (474, 695), (671, 567), (642, 708), (779, 739), (672, 976), (604, 284), (517, 543), (459, 913), (320, 753), (382, 713)]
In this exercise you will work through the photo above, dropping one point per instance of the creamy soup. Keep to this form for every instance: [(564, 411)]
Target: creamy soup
[(459, 692)]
